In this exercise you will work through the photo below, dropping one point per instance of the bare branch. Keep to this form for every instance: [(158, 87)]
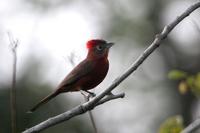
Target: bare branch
[(192, 127), (87, 98), (13, 47), (80, 109), (111, 97)]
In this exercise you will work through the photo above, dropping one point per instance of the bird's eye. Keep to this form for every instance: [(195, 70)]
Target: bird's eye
[(99, 47)]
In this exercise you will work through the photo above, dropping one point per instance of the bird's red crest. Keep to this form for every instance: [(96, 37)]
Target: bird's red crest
[(93, 43)]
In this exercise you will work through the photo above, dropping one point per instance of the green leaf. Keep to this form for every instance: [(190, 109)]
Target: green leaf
[(183, 87), (177, 75), (190, 81), (197, 81), (172, 125), (196, 85)]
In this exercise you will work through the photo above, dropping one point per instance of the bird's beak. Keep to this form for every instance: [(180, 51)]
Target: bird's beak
[(110, 44)]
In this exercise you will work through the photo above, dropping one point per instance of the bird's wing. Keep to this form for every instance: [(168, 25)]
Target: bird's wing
[(81, 70)]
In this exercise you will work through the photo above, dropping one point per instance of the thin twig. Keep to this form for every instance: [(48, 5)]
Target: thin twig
[(80, 109), (111, 97), (87, 98), (192, 127), (93, 121), (13, 45)]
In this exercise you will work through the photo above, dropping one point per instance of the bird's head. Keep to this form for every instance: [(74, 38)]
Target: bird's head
[(98, 48)]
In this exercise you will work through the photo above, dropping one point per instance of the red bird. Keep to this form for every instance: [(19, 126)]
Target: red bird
[(87, 74)]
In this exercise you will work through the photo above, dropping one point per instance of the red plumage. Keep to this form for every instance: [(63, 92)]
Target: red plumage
[(93, 43), (87, 74)]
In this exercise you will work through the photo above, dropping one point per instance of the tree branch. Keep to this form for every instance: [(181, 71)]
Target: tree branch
[(13, 105), (192, 127), (80, 109), (91, 116), (111, 97)]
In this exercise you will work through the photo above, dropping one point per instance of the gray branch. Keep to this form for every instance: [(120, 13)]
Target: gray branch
[(111, 97), (13, 103), (80, 109), (192, 127)]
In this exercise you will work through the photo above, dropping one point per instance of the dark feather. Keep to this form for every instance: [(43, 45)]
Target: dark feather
[(81, 70)]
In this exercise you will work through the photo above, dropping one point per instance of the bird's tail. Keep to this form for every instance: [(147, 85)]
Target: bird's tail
[(43, 101)]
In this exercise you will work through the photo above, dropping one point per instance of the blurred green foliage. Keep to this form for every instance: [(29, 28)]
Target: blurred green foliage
[(172, 125), (177, 74), (186, 82)]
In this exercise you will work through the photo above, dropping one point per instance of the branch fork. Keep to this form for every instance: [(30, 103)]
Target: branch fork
[(100, 99)]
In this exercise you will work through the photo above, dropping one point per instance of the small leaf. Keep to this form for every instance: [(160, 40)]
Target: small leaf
[(183, 87), (177, 74), (197, 81), (196, 85), (172, 125), (190, 81)]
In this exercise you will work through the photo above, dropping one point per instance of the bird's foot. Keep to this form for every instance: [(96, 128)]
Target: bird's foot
[(91, 94), (88, 95)]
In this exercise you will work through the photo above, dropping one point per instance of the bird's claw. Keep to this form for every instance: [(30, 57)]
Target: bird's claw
[(91, 94)]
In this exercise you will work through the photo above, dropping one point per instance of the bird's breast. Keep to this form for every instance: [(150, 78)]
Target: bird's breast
[(96, 76)]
